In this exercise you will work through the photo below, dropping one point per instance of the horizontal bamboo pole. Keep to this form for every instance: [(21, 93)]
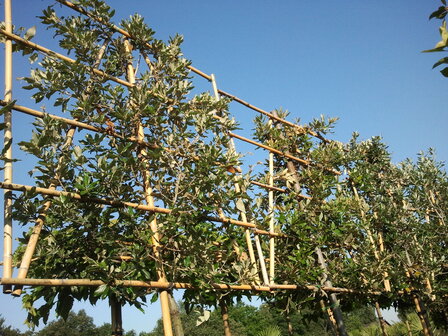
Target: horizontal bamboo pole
[(178, 285), (117, 203), (62, 57), (119, 30)]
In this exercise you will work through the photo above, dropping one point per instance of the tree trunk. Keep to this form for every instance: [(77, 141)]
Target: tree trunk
[(175, 316), (225, 318), (116, 319), (337, 313), (381, 319)]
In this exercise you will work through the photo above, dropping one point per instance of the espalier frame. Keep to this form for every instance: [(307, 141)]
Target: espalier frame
[(252, 232)]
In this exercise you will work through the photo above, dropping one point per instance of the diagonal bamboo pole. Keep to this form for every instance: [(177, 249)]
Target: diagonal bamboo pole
[(32, 242), (164, 295), (7, 141), (243, 214)]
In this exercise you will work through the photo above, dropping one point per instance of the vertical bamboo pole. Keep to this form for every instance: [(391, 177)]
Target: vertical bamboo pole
[(116, 316), (381, 319), (164, 296), (175, 316), (7, 194), (408, 327), (32, 242), (271, 219), (243, 215), (225, 317)]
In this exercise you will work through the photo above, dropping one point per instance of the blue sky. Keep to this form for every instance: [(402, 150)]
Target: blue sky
[(360, 61)]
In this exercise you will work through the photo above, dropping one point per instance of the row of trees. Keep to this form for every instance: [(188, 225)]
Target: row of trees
[(352, 217)]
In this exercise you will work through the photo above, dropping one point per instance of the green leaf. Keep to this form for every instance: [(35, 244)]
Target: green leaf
[(30, 33), (440, 13), (444, 72), (440, 61)]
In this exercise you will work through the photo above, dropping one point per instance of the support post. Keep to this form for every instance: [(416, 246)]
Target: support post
[(7, 194)]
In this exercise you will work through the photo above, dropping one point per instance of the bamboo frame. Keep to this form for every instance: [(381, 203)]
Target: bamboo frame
[(162, 283), (7, 194), (155, 238)]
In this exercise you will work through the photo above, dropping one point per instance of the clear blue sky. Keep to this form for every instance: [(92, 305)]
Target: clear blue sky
[(360, 61)]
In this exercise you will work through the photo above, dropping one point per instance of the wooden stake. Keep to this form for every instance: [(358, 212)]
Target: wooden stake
[(7, 140), (381, 319), (225, 317), (32, 242), (164, 296)]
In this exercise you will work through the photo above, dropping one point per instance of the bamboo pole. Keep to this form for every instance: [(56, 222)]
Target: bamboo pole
[(155, 238), (381, 319), (118, 203), (116, 316), (7, 141), (225, 317), (271, 220), (32, 242), (183, 285), (61, 57), (119, 30), (231, 148)]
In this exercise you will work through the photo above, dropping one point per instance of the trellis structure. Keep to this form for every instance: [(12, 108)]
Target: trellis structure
[(264, 279)]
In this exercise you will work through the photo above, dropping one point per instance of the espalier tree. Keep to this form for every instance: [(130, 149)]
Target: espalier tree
[(180, 154), (380, 226)]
